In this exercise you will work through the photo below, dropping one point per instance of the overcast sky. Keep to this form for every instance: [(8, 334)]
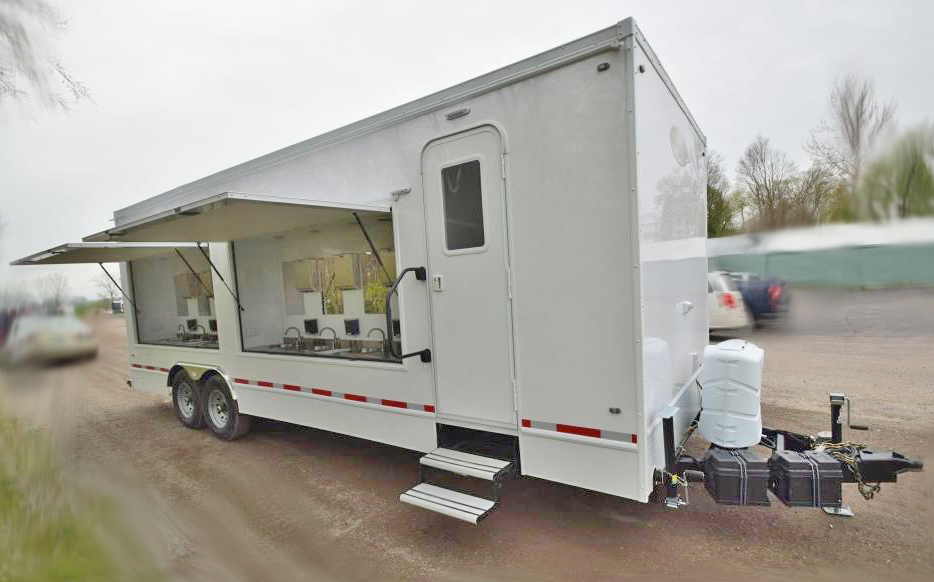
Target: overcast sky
[(182, 89)]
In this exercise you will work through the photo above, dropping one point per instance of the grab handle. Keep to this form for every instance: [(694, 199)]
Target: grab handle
[(421, 274)]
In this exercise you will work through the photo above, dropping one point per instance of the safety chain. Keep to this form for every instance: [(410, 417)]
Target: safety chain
[(846, 453)]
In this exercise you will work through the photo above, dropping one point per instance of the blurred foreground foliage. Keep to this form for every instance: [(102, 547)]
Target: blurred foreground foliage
[(52, 528), (900, 183)]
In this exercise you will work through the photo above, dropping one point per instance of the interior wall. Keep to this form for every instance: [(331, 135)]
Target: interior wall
[(155, 297), (154, 288), (336, 240), (353, 309), (259, 267), (259, 283)]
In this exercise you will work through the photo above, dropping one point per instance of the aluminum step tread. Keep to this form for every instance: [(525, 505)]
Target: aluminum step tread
[(447, 502), (467, 464)]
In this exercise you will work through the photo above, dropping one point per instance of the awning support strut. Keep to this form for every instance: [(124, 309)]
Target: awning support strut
[(117, 285), (221, 277), (193, 272), (373, 248)]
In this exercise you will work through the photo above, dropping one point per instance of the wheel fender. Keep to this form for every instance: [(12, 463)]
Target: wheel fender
[(199, 371)]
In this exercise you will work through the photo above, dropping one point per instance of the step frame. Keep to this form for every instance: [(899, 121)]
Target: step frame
[(466, 464), (448, 502)]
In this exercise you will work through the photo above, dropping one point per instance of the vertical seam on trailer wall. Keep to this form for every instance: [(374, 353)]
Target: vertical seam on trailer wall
[(629, 82), (510, 270)]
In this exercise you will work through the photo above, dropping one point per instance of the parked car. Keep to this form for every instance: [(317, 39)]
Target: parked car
[(45, 339), (725, 305), (767, 299)]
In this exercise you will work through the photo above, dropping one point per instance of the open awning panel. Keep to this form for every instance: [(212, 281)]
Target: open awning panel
[(236, 216), (97, 252)]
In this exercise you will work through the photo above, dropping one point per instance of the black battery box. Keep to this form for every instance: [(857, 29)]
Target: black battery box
[(808, 479), (736, 476)]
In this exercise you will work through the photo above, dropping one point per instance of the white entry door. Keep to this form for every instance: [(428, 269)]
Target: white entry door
[(465, 212)]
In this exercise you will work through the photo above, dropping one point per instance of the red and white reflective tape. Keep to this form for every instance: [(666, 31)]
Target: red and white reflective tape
[(316, 392), (151, 368), (338, 395), (596, 433)]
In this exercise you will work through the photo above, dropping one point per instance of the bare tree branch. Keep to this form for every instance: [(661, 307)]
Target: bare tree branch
[(766, 177), (845, 141), (29, 70), (106, 288), (54, 289), (780, 195)]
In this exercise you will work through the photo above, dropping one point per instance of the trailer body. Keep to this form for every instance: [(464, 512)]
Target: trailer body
[(557, 207)]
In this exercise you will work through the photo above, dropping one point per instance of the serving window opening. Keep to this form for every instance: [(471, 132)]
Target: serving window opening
[(319, 291), (173, 293)]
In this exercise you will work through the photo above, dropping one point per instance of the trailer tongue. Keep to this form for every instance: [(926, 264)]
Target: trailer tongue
[(803, 470)]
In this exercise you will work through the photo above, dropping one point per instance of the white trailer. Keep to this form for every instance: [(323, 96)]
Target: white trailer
[(544, 229)]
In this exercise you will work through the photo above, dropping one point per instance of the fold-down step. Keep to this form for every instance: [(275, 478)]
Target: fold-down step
[(458, 504), (451, 503), (467, 464)]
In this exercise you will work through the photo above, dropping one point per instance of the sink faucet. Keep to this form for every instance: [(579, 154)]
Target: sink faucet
[(204, 331), (181, 330), (380, 330), (332, 331), (298, 336)]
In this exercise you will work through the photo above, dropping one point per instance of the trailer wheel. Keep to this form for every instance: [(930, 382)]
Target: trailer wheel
[(186, 400), (221, 412)]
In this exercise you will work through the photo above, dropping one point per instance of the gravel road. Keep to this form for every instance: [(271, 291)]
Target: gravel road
[(290, 503)]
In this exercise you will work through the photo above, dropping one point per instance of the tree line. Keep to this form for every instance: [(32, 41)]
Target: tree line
[(862, 168)]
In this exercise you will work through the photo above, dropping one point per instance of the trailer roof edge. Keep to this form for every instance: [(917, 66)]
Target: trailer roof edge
[(595, 43), (657, 64)]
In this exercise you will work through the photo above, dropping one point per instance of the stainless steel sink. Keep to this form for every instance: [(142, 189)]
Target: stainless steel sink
[(333, 351)]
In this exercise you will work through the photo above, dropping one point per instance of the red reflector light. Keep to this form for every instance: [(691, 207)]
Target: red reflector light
[(727, 300), (775, 294)]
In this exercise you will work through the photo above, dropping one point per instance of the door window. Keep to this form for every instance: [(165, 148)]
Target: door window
[(463, 206)]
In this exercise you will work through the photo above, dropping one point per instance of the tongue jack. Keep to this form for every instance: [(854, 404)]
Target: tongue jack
[(837, 400)]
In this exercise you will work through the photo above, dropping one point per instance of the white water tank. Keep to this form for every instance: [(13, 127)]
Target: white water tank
[(731, 415)]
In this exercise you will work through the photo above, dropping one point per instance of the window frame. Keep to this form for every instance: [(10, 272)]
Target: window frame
[(484, 215), (136, 315)]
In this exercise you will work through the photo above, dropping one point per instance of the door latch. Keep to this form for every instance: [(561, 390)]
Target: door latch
[(437, 283)]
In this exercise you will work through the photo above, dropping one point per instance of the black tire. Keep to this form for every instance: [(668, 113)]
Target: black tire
[(221, 412), (187, 401)]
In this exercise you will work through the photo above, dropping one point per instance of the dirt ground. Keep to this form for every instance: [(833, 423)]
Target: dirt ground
[(290, 503)]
